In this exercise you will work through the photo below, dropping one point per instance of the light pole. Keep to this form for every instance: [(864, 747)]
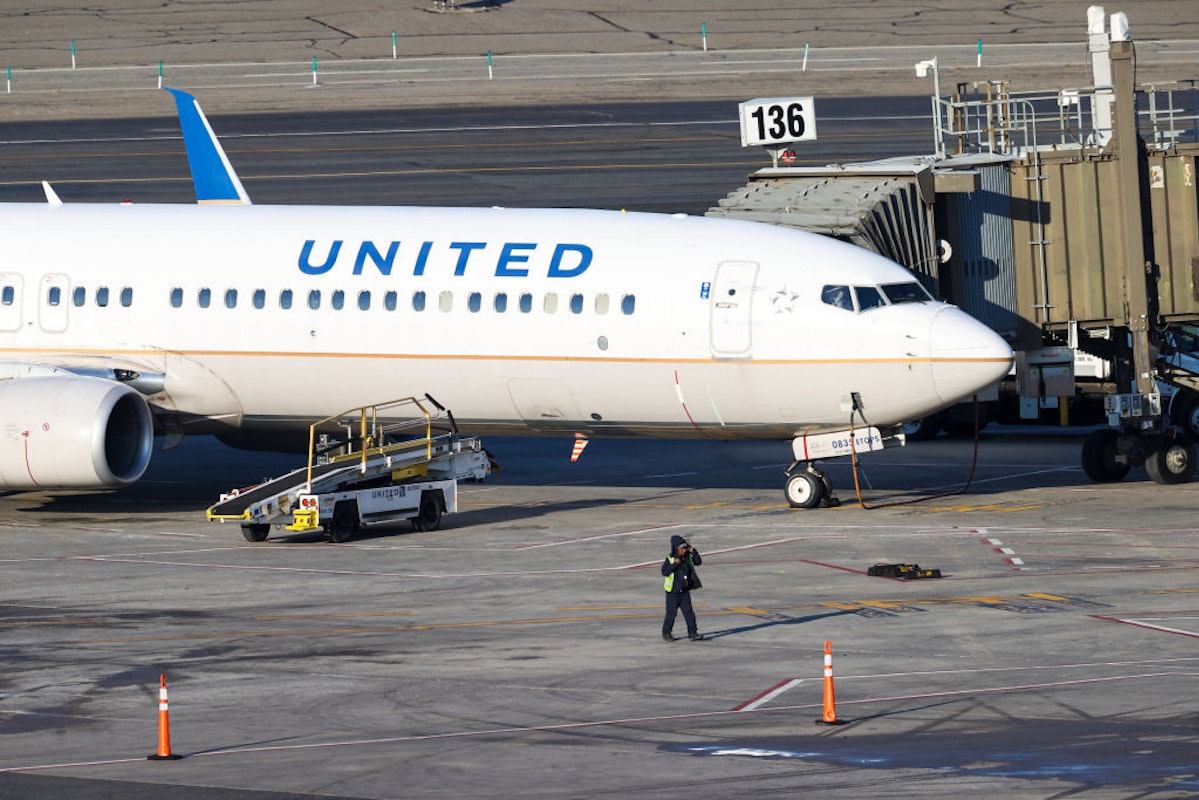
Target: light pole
[(922, 70)]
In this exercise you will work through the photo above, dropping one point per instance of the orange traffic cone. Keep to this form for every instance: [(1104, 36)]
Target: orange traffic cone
[(164, 725), (830, 702)]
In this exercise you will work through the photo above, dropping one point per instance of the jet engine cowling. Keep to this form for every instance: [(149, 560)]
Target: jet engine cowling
[(72, 433)]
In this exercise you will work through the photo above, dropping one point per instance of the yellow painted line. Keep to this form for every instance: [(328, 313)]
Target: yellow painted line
[(332, 616), (387, 629), (19, 624), (60, 351)]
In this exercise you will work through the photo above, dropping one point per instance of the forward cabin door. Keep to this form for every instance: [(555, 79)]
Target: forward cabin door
[(731, 310)]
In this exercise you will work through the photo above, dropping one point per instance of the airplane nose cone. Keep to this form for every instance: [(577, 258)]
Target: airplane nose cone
[(967, 356)]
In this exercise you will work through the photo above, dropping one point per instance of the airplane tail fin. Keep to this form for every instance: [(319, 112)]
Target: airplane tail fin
[(215, 180)]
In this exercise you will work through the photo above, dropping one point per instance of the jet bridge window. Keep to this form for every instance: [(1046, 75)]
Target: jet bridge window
[(628, 304), (868, 297), (364, 301), (837, 296), (230, 298), (126, 297), (204, 298), (285, 298), (79, 296), (906, 293), (102, 296)]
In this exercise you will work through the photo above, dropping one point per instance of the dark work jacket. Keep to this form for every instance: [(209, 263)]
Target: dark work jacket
[(685, 576)]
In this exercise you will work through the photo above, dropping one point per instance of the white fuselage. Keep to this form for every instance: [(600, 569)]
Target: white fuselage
[(518, 320)]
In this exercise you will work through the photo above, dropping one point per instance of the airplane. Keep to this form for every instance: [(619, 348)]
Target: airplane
[(120, 322)]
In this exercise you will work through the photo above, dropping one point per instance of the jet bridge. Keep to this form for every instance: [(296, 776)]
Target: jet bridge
[(1067, 220)]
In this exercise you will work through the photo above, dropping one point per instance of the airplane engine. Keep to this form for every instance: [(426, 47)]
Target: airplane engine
[(72, 433)]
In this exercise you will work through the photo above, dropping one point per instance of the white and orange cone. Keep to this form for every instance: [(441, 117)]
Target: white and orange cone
[(164, 725)]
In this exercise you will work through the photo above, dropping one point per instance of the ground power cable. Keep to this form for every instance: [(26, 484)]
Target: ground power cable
[(857, 410)]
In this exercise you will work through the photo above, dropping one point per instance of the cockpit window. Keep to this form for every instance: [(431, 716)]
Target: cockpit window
[(869, 297), (837, 296), (906, 293)]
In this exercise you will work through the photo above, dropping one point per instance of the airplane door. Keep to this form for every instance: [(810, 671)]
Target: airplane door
[(731, 310), (11, 299), (52, 303)]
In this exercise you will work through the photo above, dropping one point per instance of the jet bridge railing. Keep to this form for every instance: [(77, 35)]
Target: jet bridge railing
[(986, 118)]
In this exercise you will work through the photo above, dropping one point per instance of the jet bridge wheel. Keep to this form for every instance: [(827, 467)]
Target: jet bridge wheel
[(1171, 462), (805, 489), (255, 532), (345, 521), (1099, 457)]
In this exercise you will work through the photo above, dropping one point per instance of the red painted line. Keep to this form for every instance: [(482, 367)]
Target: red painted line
[(1135, 624), (770, 693), (570, 726)]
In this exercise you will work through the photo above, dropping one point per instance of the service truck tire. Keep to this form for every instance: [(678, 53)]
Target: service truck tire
[(345, 521)]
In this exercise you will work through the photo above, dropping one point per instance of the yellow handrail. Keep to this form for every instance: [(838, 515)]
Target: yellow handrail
[(372, 437)]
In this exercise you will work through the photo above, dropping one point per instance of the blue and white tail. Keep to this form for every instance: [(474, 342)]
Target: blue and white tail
[(212, 174)]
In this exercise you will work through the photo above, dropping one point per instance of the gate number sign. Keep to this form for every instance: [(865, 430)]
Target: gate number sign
[(775, 120)]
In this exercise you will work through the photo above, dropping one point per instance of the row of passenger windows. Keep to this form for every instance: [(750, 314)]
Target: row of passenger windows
[(419, 301)]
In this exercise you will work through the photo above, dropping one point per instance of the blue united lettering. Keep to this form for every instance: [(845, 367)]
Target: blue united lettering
[(458, 259)]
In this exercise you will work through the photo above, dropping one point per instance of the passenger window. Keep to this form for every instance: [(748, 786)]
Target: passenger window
[(389, 301), (285, 298), (79, 295), (364, 301), (102, 296), (628, 304), (576, 304), (230, 298), (9, 295), (837, 296), (314, 299), (445, 301), (126, 297), (526, 303), (418, 301), (474, 301), (204, 298), (338, 300), (601, 304), (259, 299), (550, 304), (501, 303), (868, 297), (54, 296)]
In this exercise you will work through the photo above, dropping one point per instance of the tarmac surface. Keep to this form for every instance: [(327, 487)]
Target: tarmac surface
[(517, 652), (104, 59)]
